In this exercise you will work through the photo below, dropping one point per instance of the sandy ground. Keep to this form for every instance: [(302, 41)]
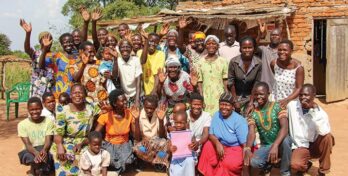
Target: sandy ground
[(10, 144)]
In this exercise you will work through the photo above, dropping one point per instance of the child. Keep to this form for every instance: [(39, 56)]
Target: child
[(64, 99), (95, 160), (49, 106), (182, 166), (36, 133), (106, 66), (178, 107)]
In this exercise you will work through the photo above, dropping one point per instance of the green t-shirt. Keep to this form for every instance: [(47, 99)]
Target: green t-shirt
[(266, 121), (36, 132)]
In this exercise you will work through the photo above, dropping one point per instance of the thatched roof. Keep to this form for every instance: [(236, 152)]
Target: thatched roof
[(214, 16)]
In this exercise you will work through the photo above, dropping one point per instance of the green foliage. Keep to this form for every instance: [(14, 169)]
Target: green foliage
[(5, 43), (122, 9), (16, 72), (20, 54), (114, 9)]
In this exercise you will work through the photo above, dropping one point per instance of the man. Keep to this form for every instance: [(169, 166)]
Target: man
[(311, 134), (151, 60), (271, 123), (269, 53), (230, 47), (81, 36)]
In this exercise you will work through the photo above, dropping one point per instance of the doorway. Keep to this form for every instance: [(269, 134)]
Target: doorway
[(319, 56)]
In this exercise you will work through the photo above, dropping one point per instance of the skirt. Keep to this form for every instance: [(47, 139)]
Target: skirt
[(120, 155), (153, 150)]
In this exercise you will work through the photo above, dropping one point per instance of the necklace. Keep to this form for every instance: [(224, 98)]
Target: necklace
[(265, 113)]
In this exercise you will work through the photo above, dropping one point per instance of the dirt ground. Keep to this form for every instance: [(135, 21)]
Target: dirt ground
[(10, 144)]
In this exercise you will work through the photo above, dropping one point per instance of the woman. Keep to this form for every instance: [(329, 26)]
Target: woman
[(151, 143), (223, 153), (63, 63), (137, 42), (289, 78), (42, 73), (73, 122), (288, 74), (244, 72), (212, 71), (118, 123)]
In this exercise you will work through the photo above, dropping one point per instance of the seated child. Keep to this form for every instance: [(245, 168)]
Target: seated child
[(95, 160), (36, 133), (64, 99), (49, 106), (182, 166), (106, 67)]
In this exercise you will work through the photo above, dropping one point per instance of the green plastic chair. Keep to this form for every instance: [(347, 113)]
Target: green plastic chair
[(22, 89)]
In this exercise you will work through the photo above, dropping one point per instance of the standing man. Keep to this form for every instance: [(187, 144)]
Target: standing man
[(311, 133), (269, 53), (230, 47)]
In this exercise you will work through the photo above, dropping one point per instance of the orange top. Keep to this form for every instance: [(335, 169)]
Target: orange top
[(117, 130)]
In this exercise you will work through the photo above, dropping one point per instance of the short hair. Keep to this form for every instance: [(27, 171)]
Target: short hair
[(154, 34), (103, 29), (310, 86), (182, 113), (75, 30), (248, 38), (63, 36), (125, 40), (34, 100), (289, 42), (79, 85), (114, 95), (153, 99), (231, 26), (64, 94), (262, 84), (84, 44), (196, 96), (46, 95), (95, 135), (124, 24)]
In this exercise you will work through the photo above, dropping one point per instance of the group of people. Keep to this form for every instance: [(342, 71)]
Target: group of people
[(104, 105)]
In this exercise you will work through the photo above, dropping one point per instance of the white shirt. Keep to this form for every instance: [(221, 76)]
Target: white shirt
[(48, 114), (197, 126), (229, 52), (129, 72), (94, 163), (305, 128)]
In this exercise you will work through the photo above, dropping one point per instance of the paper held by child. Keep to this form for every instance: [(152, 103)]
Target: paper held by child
[(181, 139)]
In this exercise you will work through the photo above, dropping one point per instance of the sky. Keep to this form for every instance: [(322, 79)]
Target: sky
[(41, 13)]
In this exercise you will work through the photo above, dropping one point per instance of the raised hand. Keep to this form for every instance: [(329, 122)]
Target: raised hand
[(161, 75), (182, 22), (46, 41), (105, 107), (142, 32), (128, 35), (262, 26), (161, 111), (165, 29), (135, 111), (96, 14), (84, 57), (27, 27), (194, 77), (85, 14)]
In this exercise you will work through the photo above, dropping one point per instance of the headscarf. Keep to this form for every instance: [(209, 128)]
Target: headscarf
[(173, 31), (199, 35), (226, 97), (173, 61), (42, 34), (212, 37)]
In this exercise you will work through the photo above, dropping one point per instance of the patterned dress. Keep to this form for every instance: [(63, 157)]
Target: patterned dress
[(73, 127), (41, 79), (285, 82), (266, 121), (64, 72), (211, 74), (93, 82), (177, 91)]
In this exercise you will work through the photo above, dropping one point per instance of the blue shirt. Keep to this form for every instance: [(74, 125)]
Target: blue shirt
[(232, 131), (185, 63)]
